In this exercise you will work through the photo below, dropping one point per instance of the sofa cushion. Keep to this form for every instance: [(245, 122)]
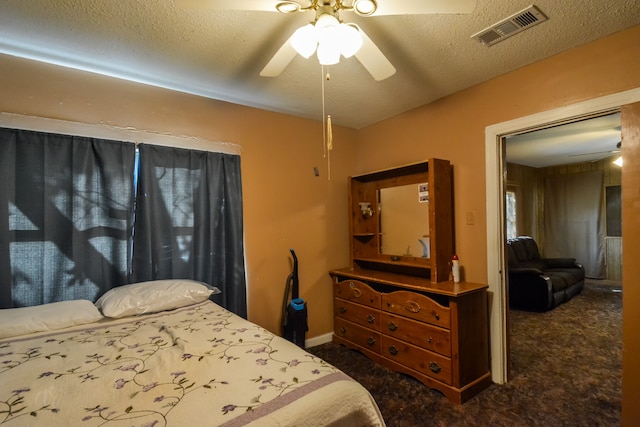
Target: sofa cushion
[(560, 280), (576, 273), (525, 253), (519, 251), (512, 261), (560, 263), (531, 248)]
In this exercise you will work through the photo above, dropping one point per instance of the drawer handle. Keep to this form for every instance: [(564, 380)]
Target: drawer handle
[(371, 318), (343, 310), (412, 307), (343, 330), (437, 316), (435, 367), (393, 350), (371, 341), (357, 293), (392, 326), (430, 340)]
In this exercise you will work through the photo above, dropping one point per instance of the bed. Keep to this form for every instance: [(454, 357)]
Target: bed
[(192, 363)]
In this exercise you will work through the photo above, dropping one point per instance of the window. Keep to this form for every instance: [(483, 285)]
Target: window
[(76, 226), (511, 214), (614, 210)]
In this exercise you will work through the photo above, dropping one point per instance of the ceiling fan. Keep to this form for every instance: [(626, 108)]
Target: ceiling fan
[(617, 150), (330, 37)]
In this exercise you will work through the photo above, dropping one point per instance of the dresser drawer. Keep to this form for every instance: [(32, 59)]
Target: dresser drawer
[(356, 313), (424, 361), (418, 307), (356, 291), (357, 334), (422, 335)]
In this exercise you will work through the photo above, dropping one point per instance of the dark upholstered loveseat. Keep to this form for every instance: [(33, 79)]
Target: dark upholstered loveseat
[(540, 284)]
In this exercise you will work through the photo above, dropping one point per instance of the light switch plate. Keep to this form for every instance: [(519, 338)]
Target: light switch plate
[(471, 217)]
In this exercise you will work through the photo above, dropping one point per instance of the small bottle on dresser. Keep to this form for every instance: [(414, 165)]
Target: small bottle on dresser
[(455, 268)]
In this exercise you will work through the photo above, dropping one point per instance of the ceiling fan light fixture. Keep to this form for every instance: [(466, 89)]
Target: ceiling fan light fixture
[(328, 38), (328, 54), (326, 21), (365, 7), (305, 40), (351, 40), (288, 7), (618, 161)]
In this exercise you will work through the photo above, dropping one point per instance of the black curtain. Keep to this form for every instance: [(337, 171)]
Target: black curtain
[(189, 221), (65, 216)]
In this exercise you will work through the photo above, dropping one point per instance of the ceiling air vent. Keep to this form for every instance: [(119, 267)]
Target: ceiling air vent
[(517, 22)]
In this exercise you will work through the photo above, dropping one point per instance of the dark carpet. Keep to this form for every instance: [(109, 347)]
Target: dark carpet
[(566, 370)]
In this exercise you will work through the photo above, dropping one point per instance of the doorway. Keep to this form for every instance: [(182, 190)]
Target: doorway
[(557, 179), (495, 190)]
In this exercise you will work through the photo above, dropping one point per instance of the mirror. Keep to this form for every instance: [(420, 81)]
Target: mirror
[(404, 220)]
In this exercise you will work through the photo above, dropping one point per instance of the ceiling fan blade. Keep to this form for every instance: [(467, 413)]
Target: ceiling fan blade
[(594, 152), (415, 7), (260, 5), (280, 60), (373, 59)]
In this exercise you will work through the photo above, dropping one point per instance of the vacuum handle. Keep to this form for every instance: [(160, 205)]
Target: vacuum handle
[(296, 284)]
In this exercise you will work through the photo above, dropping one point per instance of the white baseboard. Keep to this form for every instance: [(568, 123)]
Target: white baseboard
[(322, 339)]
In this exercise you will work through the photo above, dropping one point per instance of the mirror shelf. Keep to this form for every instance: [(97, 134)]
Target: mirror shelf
[(407, 226)]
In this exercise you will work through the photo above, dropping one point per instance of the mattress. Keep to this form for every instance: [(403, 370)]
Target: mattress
[(199, 365)]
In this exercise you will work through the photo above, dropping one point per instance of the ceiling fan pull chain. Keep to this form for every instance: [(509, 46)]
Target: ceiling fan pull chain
[(324, 128), (327, 132), (329, 146)]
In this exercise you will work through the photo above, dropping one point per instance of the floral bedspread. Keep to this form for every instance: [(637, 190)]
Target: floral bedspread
[(196, 366)]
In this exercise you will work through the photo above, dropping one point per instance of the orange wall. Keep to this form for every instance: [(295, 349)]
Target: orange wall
[(286, 206), (454, 128)]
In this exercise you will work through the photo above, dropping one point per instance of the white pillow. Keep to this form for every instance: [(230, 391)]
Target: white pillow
[(56, 315), (153, 296)]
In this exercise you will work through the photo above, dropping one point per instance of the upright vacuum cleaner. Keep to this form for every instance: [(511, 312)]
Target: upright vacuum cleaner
[(294, 312)]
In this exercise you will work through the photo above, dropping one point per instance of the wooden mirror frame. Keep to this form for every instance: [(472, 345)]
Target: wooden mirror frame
[(365, 228)]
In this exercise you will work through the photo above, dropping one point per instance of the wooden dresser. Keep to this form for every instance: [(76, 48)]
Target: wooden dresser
[(398, 307), (437, 333)]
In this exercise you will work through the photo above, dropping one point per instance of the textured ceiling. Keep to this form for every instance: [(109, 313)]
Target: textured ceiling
[(586, 140), (219, 54)]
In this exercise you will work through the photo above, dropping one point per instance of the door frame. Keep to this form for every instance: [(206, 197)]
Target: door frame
[(495, 184)]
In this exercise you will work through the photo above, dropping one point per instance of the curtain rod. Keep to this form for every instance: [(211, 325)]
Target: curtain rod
[(127, 134)]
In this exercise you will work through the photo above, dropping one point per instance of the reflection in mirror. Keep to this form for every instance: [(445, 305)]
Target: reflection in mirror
[(404, 221)]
